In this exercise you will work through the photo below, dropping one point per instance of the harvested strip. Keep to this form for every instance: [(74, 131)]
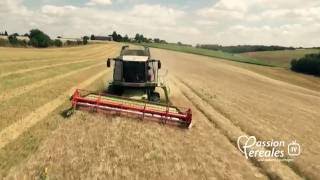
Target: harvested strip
[(42, 67), (29, 57), (22, 90), (15, 130), (274, 169), (19, 107), (16, 66), (20, 80), (161, 151), (69, 57)]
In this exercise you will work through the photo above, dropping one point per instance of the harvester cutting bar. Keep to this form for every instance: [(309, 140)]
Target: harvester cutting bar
[(82, 99)]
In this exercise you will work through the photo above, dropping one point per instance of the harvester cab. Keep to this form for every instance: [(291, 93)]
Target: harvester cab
[(133, 69)]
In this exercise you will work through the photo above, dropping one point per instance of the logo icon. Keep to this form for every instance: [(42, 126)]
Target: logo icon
[(294, 149), (268, 150), (245, 143)]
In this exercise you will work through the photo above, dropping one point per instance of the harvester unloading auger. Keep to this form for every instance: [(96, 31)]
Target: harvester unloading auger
[(134, 70)]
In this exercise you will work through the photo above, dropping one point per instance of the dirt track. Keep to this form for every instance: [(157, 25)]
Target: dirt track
[(227, 100)]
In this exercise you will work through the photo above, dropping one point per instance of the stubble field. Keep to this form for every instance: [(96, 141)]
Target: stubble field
[(280, 58), (228, 100)]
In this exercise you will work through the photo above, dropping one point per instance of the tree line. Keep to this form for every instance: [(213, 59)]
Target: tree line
[(38, 39), (138, 38), (309, 64), (5, 33), (242, 48)]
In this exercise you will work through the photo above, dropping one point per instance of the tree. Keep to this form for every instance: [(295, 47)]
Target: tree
[(13, 39), (163, 41), (78, 42), (93, 37), (34, 42), (115, 36), (23, 43), (125, 38), (309, 64), (85, 40), (69, 43), (5, 33), (156, 40), (39, 39), (140, 38), (119, 38), (57, 43), (137, 37)]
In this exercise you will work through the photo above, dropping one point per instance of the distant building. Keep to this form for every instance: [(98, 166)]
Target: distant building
[(63, 39), (103, 38), (18, 37)]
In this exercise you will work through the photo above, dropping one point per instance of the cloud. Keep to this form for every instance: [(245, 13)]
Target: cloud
[(13, 7), (155, 14), (57, 10), (233, 5), (279, 22), (220, 14), (99, 2), (287, 35), (260, 9), (151, 20)]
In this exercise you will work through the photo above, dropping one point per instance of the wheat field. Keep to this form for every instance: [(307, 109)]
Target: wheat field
[(228, 99)]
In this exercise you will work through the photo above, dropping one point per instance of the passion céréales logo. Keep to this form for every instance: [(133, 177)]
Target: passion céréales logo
[(272, 150)]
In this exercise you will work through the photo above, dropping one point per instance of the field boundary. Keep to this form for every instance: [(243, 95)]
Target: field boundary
[(234, 57), (232, 132)]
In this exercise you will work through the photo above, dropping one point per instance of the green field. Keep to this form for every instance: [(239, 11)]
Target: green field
[(279, 58), (265, 58), (210, 53)]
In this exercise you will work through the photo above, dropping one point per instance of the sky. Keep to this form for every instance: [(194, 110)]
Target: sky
[(226, 22)]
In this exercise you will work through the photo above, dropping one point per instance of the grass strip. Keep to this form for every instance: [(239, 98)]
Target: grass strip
[(209, 53)]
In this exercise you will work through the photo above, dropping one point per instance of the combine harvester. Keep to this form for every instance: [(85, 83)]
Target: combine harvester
[(134, 71)]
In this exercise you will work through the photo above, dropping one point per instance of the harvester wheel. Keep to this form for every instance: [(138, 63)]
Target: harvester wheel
[(115, 90), (154, 97)]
